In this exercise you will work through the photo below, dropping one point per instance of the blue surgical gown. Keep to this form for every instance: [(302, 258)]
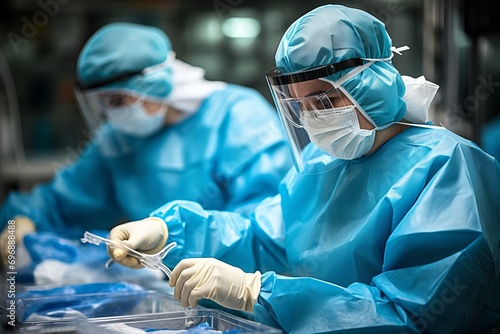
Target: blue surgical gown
[(405, 240), (228, 156)]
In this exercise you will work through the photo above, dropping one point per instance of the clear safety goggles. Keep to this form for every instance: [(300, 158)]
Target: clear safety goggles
[(314, 105), (93, 99), (307, 94), (95, 106), (113, 100)]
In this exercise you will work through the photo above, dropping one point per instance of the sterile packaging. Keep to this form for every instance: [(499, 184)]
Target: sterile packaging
[(69, 303), (199, 320)]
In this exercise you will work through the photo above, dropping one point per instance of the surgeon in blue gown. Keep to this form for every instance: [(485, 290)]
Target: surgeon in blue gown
[(391, 225), (168, 134)]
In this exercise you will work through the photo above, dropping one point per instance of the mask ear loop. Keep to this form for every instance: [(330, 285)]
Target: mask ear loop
[(426, 126), (326, 103), (326, 100), (331, 105), (338, 84), (323, 99), (357, 106), (370, 61)]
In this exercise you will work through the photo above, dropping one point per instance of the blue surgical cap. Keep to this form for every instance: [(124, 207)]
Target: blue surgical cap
[(333, 33), (121, 48)]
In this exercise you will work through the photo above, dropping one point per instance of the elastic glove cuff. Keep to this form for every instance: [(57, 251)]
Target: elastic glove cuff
[(252, 290)]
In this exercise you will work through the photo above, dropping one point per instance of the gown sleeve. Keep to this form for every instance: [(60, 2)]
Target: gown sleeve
[(254, 155), (79, 195), (255, 243)]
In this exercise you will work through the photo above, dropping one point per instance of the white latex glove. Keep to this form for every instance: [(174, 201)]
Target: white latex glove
[(209, 278), (147, 236), (14, 232)]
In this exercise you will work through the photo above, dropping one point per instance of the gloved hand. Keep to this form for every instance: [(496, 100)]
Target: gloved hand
[(209, 278), (147, 236), (22, 225)]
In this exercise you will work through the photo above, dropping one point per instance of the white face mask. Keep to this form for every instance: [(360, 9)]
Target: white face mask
[(338, 133), (134, 119)]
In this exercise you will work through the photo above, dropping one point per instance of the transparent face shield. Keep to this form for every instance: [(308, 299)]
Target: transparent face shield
[(307, 97), (95, 102), (114, 104), (98, 104)]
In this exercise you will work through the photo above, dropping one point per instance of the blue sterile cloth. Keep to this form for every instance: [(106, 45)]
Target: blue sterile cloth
[(90, 300), (63, 247)]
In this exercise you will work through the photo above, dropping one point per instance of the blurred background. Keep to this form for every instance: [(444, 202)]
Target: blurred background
[(454, 43)]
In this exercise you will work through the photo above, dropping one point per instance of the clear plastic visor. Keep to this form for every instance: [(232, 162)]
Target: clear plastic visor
[(114, 99), (316, 98), (93, 100), (319, 97), (95, 105)]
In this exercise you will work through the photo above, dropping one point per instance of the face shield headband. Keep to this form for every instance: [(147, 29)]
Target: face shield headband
[(324, 106), (300, 96)]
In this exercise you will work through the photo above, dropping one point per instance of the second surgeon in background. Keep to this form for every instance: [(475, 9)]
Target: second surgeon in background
[(171, 135)]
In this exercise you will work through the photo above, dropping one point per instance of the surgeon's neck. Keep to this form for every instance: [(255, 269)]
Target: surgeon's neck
[(173, 116), (383, 136)]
